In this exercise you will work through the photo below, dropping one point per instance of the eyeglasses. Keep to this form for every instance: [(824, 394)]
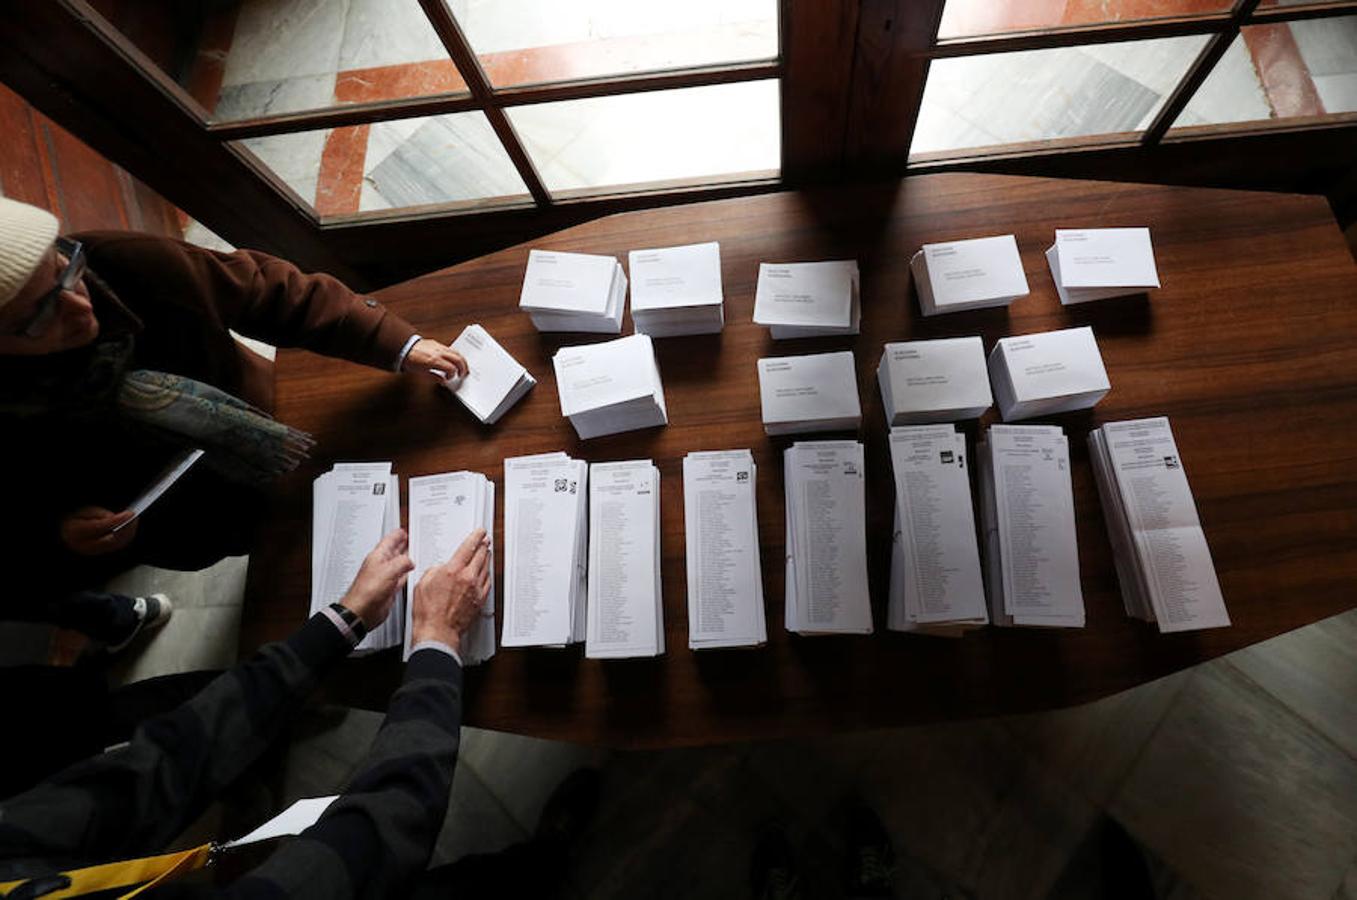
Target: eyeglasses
[(74, 252)]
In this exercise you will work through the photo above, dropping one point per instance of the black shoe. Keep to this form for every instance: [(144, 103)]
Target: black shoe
[(871, 858), (568, 811), (772, 868), (151, 613)]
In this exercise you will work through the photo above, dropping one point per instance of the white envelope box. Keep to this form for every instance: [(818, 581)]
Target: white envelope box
[(934, 381), (1046, 373), (1099, 263), (969, 274), (818, 392)]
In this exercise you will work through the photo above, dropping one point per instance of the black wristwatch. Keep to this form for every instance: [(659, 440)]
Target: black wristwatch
[(351, 619)]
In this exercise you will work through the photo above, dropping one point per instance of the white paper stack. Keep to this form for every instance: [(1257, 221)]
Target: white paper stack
[(1027, 516), (934, 381), (826, 585), (725, 580), (444, 509), (935, 586), (1163, 562), (1047, 373), (546, 540), (494, 382), (808, 299), (973, 274), (610, 387), (574, 292), (626, 608), (1100, 263), (818, 392), (352, 507), (677, 290)]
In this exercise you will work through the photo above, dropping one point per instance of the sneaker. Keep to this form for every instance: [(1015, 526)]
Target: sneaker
[(152, 612), (568, 810), (871, 858), (772, 868)]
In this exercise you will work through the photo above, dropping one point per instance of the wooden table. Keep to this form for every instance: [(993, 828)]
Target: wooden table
[(1250, 347)]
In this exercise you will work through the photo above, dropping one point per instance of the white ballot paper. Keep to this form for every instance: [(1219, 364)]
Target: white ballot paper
[(818, 392), (1047, 373), (826, 585), (934, 381), (494, 381), (546, 539), (444, 509), (677, 290), (725, 580), (178, 466), (352, 507), (574, 292), (936, 585), (971, 274), (1163, 562), (626, 610), (1100, 263), (292, 821), (1027, 511), (808, 299), (610, 387)]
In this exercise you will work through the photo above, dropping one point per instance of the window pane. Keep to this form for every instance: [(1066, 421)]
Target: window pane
[(1282, 71), (535, 41), (710, 133), (1036, 95), (970, 18), (393, 165)]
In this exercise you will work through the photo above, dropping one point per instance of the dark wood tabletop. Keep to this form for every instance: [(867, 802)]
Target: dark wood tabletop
[(1250, 349)]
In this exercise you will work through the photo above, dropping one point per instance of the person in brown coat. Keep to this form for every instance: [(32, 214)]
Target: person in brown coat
[(116, 355)]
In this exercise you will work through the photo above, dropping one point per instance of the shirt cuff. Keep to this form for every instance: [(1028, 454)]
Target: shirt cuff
[(436, 645), (338, 621), (405, 351)]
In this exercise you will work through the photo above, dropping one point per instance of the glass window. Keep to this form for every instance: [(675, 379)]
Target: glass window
[(972, 18)]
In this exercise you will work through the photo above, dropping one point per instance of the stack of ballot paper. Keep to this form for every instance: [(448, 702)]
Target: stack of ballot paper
[(935, 586), (934, 381), (826, 587), (1098, 263), (574, 292), (352, 507), (1047, 373), (1027, 516), (808, 299), (818, 392), (494, 381), (546, 537), (973, 274), (444, 509), (610, 387), (1163, 563), (626, 609), (677, 290), (725, 581)]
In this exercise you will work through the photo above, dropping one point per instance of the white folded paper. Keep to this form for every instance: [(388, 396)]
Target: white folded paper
[(1047, 373), (1100, 263), (818, 392), (574, 292), (1163, 562), (971, 274), (725, 580), (808, 299), (626, 606), (494, 381), (934, 381), (677, 290), (610, 387)]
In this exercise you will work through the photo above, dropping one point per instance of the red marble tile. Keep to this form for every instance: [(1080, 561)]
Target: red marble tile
[(340, 185), (1286, 81), (208, 67), (398, 82), (962, 18)]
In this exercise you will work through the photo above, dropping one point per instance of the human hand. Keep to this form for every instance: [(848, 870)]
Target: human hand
[(381, 575), (433, 358), (448, 599), (89, 530)]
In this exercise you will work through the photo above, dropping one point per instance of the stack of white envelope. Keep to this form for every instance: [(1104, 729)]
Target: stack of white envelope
[(677, 290), (1101, 263), (826, 584), (934, 381), (817, 392), (546, 538), (1027, 516), (1047, 373), (610, 387), (936, 586), (494, 382), (625, 615), (812, 299), (972, 274), (1163, 562), (444, 509), (574, 292), (725, 581), (352, 507)]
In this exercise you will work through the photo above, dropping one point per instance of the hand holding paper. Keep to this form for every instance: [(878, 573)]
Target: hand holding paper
[(449, 597), (437, 360), (382, 574)]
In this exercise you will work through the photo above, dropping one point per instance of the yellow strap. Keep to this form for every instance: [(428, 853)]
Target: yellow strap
[(151, 870)]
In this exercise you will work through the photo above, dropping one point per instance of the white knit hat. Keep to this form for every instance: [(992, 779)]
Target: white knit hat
[(26, 234)]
